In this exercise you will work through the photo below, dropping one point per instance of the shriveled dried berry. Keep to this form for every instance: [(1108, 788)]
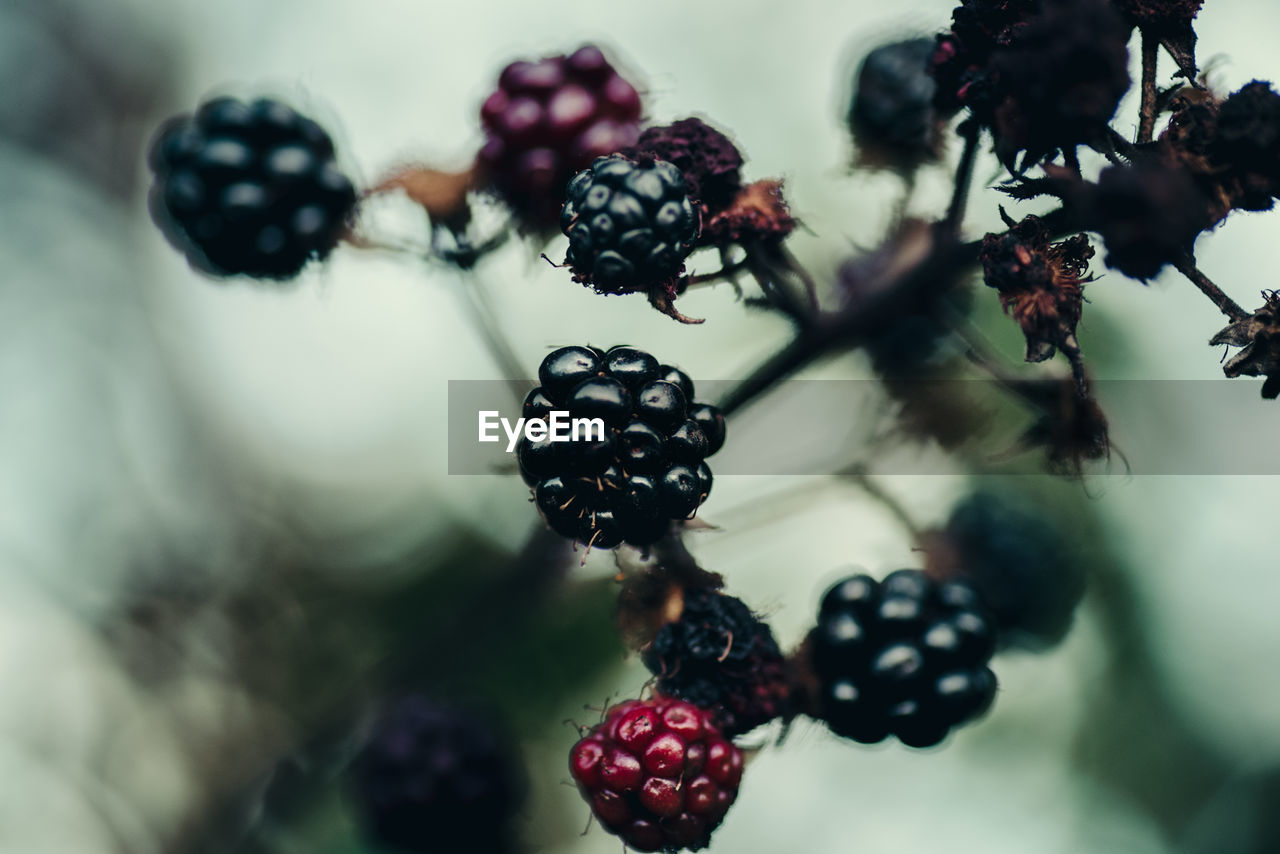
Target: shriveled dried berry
[(711, 163), (1040, 284)]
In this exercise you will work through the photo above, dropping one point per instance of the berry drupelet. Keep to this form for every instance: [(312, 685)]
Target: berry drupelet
[(721, 657), (549, 119), (434, 778), (647, 470), (658, 773), (630, 225), (248, 188), (904, 656)]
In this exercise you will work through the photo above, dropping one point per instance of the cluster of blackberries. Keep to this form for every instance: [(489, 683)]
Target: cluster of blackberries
[(658, 773), (630, 224), (436, 778), (905, 656), (721, 657), (248, 188), (647, 468), (549, 119)]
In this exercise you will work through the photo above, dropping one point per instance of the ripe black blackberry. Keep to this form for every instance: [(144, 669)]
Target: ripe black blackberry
[(630, 224), (646, 471), (891, 114), (248, 188), (1028, 576), (435, 778), (721, 657), (904, 656)]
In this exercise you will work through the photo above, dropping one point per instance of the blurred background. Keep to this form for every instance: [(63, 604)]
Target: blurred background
[(225, 514)]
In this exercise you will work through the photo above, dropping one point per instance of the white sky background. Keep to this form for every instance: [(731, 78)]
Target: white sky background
[(331, 393)]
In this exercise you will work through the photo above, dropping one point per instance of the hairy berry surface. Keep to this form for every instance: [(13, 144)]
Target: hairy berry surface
[(248, 188), (658, 773), (904, 656), (549, 119), (720, 656), (646, 472), (630, 224), (435, 778)]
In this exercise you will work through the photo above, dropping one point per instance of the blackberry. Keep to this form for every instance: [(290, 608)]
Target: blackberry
[(630, 224), (904, 656), (658, 773), (891, 114), (435, 778), (1029, 579), (248, 188), (720, 657), (711, 163), (549, 119), (644, 472)]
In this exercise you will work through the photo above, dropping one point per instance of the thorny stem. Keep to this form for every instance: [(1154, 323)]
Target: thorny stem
[(1187, 267), (964, 176), (1147, 117)]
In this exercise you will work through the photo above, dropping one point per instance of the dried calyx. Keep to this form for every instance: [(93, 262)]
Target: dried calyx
[(1040, 284), (1259, 336)]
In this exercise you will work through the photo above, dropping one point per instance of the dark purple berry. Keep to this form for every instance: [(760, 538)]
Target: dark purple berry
[(435, 778), (248, 189), (549, 119)]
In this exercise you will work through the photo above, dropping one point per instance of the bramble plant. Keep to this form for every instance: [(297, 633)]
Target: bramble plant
[(252, 189)]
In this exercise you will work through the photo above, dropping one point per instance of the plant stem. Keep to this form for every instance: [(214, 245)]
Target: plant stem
[(1187, 267), (858, 474), (964, 176), (1147, 117)]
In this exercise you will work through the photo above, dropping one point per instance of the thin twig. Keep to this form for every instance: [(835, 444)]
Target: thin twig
[(859, 474), (1147, 117), (1187, 267), (972, 132), (486, 320)]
